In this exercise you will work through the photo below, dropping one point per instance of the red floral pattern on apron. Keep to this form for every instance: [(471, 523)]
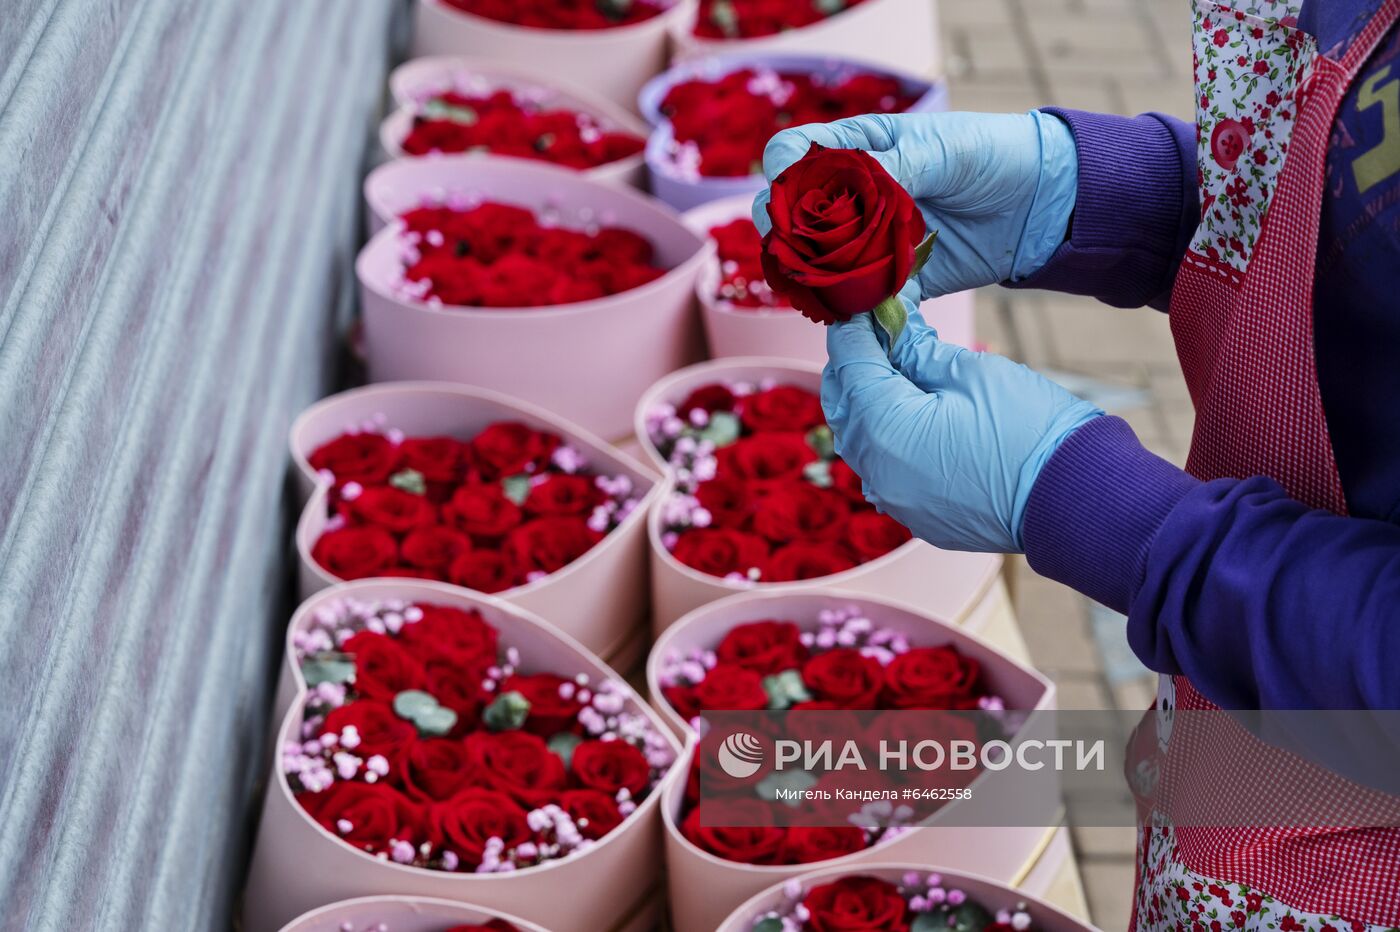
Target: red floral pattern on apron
[(1241, 315)]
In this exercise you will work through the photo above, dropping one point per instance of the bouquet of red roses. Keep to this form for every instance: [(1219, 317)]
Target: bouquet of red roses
[(563, 14), (427, 742), (760, 494), (919, 901), (720, 126), (503, 509), (848, 663), (749, 19), (503, 122), (488, 254)]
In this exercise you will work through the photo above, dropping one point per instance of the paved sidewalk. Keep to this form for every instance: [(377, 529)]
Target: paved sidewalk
[(1120, 56)]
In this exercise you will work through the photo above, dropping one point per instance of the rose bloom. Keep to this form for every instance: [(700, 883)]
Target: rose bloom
[(856, 904), (763, 647), (844, 234)]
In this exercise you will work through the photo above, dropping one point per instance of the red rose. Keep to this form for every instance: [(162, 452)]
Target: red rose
[(515, 762), (355, 552), (383, 668), (549, 544), (846, 677), (483, 511), (366, 815), (856, 904), (794, 510), (766, 456), (483, 571), (728, 501), (593, 812), (931, 678), (871, 535), (462, 633), (764, 647), (454, 680), (435, 769), (393, 509), (564, 495), (809, 845), (682, 699), (507, 449), (707, 398), (368, 459), (731, 689), (845, 481), (756, 844), (550, 712), (720, 552), (380, 731), (433, 548), (467, 821), (786, 408), (844, 234), (439, 459), (806, 561), (609, 766)]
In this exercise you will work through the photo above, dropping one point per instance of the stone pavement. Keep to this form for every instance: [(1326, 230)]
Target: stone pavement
[(1120, 56)]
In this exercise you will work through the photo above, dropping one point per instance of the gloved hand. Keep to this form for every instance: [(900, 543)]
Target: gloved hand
[(948, 441), (998, 188)]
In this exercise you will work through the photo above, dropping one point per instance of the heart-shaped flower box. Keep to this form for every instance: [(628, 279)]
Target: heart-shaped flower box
[(587, 361), (612, 63), (404, 914), (600, 598), (732, 330), (704, 887), (947, 584), (994, 897), (899, 34), (298, 865), (416, 82), (687, 189)]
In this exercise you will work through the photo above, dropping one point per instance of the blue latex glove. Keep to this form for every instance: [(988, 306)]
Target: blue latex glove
[(998, 188), (948, 441)]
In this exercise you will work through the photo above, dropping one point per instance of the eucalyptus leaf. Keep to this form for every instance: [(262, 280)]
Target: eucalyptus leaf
[(969, 917), (441, 110), (563, 744), (785, 780), (413, 702), (830, 7), (771, 924), (819, 474), (516, 488), (821, 442), (410, 480), (507, 712), (930, 922), (723, 429), (725, 18), (785, 689), (436, 722), (328, 668)]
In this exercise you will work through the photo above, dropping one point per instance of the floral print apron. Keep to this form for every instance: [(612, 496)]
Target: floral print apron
[(1241, 315)]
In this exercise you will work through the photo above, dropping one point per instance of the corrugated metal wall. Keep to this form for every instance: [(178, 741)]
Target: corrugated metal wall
[(178, 220)]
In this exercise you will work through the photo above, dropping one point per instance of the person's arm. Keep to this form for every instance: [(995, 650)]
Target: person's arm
[(1258, 600), (1136, 209)]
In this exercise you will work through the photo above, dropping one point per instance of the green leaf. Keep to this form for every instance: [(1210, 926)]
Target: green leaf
[(785, 689), (410, 480), (516, 488), (423, 710), (726, 20), (436, 722), (614, 9), (923, 252), (830, 7), (969, 917), (563, 744), (771, 924), (930, 922), (819, 474), (441, 110), (506, 712), (328, 668), (723, 429), (891, 316), (785, 780), (821, 442)]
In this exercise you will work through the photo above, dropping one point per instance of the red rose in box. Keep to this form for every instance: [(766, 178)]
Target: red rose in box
[(760, 499), (563, 14), (448, 744), (751, 19), (739, 248), (445, 482), (406, 914)]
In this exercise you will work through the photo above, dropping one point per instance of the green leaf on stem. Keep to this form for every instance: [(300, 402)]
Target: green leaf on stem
[(923, 253), (891, 316)]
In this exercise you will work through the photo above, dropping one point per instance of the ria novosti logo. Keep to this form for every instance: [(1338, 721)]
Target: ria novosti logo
[(740, 755)]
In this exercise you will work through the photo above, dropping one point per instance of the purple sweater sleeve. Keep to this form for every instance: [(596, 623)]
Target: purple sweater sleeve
[(1126, 239), (1260, 601)]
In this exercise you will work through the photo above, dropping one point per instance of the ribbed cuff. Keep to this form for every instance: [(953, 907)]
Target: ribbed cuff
[(1133, 210), (1095, 509)]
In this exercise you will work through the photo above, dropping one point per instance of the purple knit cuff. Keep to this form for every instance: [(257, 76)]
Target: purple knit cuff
[(1135, 209), (1095, 509)]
